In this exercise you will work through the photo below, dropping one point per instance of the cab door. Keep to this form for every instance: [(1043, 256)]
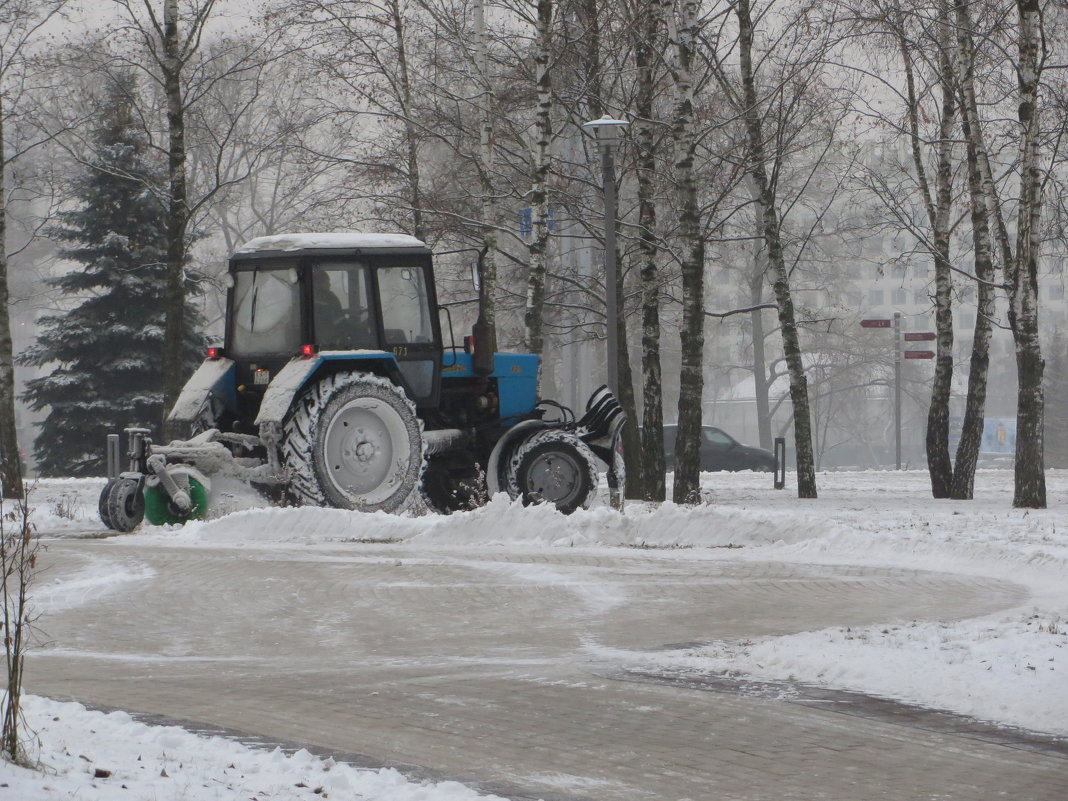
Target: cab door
[(409, 331)]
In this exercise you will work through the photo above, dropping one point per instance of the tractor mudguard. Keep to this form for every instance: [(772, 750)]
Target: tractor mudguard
[(291, 379), (599, 428), (513, 436), (214, 377)]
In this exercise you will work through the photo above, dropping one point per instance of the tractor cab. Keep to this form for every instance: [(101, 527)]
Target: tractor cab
[(333, 293)]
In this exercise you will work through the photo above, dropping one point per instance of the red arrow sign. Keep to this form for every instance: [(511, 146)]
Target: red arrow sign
[(919, 354), (875, 323), (926, 336)]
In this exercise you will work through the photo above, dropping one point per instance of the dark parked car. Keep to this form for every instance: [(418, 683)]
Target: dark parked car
[(721, 451)]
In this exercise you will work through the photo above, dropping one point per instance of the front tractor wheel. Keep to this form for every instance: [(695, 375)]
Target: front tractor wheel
[(353, 441), (556, 467), (125, 504)]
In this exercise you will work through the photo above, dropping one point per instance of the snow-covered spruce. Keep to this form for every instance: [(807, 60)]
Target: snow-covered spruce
[(353, 441)]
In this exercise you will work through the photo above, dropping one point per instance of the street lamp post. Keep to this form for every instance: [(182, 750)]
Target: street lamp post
[(609, 133)]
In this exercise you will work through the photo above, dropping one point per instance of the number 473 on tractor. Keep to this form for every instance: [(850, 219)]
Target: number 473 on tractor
[(334, 388)]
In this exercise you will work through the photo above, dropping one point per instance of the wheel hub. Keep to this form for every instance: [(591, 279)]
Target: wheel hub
[(364, 443), (364, 451), (555, 477)]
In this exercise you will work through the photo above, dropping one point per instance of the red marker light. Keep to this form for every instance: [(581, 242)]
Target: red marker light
[(308, 350), (214, 352)]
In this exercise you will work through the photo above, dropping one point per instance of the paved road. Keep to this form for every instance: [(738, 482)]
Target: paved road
[(508, 671)]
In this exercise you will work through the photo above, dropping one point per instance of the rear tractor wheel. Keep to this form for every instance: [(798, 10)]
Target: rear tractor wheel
[(353, 441), (555, 466)]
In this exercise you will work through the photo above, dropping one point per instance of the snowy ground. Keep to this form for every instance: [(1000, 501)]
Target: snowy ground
[(1008, 668)]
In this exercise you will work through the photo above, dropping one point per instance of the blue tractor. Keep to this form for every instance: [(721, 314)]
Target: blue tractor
[(334, 388)]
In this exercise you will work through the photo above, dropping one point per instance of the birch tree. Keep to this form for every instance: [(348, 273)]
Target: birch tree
[(972, 426), (21, 22), (765, 197), (1022, 271), (1019, 259), (648, 43), (938, 203), (681, 24), (534, 311)]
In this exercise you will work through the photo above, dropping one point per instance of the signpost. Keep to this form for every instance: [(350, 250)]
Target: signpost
[(899, 353)]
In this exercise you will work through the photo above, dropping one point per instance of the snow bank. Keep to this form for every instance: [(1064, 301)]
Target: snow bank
[(111, 757)]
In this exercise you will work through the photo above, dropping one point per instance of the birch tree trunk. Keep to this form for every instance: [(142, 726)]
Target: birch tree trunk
[(939, 206), (1020, 268), (1030, 490), (653, 485), (806, 469), (681, 27), (177, 216), (975, 404), (539, 194), (411, 143), (938, 463), (488, 264)]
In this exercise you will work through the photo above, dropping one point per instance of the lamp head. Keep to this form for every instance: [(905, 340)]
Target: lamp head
[(607, 131)]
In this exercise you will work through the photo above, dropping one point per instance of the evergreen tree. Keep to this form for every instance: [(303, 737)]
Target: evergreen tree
[(109, 346)]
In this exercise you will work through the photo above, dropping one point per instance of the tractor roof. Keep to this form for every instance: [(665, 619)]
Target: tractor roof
[(332, 241)]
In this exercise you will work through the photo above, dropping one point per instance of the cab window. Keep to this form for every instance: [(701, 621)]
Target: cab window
[(266, 304), (341, 311), (405, 307)]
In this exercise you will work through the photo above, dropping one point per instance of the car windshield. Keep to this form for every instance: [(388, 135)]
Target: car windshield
[(266, 306)]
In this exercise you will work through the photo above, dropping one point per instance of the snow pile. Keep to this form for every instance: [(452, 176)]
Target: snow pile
[(1008, 669), (62, 505), (91, 755), (501, 522)]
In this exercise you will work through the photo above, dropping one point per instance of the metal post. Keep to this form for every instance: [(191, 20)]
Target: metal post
[(608, 170), (897, 387), (608, 133), (780, 463), (114, 454)]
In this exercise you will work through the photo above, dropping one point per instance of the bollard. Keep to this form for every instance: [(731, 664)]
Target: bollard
[(114, 455), (780, 463)]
